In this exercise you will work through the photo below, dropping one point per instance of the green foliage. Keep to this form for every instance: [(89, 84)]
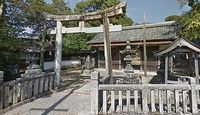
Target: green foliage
[(76, 43), (172, 18), (28, 13), (93, 5), (59, 7), (190, 23), (188, 2), (8, 40)]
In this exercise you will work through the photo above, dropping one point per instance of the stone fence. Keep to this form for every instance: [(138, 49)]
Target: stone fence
[(23, 90), (143, 98)]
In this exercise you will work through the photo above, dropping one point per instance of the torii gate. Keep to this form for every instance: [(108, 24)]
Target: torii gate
[(106, 28)]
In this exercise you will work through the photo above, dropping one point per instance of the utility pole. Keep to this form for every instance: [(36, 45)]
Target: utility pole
[(145, 47)]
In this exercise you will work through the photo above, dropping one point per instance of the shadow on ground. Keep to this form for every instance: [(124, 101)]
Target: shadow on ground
[(53, 107), (70, 79)]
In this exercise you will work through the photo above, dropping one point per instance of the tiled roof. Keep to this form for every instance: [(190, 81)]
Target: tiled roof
[(156, 31)]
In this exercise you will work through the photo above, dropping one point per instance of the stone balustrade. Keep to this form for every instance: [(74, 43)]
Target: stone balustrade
[(143, 98), (25, 89)]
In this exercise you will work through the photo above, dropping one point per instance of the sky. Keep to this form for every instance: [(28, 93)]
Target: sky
[(155, 10)]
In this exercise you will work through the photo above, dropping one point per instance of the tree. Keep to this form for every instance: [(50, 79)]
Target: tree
[(188, 2), (76, 43), (34, 19), (8, 36), (172, 18), (94, 5), (60, 7), (190, 21), (2, 2)]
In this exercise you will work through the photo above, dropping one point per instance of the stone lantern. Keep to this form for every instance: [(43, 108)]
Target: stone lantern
[(33, 50), (128, 76), (88, 65)]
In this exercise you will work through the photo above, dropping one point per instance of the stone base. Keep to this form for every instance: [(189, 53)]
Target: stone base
[(32, 74), (33, 71), (144, 80)]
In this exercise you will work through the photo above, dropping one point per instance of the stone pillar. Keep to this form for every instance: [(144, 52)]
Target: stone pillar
[(95, 93), (1, 90), (58, 53), (193, 101)]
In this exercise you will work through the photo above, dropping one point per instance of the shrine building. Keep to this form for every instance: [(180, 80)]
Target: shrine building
[(158, 36)]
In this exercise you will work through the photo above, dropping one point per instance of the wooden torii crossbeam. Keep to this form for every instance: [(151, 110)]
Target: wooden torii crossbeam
[(106, 28)]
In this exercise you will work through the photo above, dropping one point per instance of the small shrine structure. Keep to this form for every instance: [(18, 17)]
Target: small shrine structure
[(180, 60)]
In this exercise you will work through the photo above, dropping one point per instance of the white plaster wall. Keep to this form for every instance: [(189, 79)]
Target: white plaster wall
[(65, 63)]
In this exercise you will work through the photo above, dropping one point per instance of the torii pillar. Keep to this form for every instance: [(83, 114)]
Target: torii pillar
[(107, 47), (58, 52), (102, 14)]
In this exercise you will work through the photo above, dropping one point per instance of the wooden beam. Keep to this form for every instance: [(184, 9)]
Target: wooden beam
[(166, 68), (145, 47), (133, 43), (112, 28), (171, 62), (196, 62), (110, 12), (80, 29), (120, 61), (159, 62)]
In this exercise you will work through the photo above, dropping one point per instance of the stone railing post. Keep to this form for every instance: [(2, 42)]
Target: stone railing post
[(194, 99), (144, 100), (1, 90), (94, 92), (1, 76)]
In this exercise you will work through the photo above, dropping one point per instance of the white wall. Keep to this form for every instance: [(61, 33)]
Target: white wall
[(65, 63)]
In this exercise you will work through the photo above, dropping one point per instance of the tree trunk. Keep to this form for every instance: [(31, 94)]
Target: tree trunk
[(2, 7), (43, 44)]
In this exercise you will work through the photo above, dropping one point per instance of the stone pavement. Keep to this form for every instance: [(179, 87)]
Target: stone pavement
[(75, 100)]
